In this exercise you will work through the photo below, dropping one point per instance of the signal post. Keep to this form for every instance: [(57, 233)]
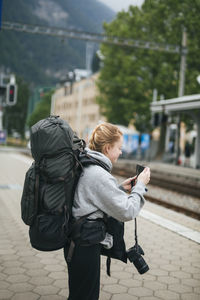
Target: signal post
[(8, 97)]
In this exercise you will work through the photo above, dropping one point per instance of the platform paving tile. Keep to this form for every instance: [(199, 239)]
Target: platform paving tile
[(5, 294), (64, 292), (191, 282), (54, 268), (25, 296), (9, 257), (180, 288), (170, 267), (149, 298), (14, 270), (114, 288), (28, 274), (2, 276), (180, 274), (58, 275), (21, 287), (158, 272), (52, 297), (168, 280), (3, 284), (130, 282), (196, 276), (11, 264), (41, 280), (104, 296), (33, 265), (140, 291), (121, 275), (17, 278), (155, 285), (61, 283), (124, 297), (46, 290), (167, 295), (108, 280), (197, 290), (49, 261), (26, 259), (27, 253), (189, 297)]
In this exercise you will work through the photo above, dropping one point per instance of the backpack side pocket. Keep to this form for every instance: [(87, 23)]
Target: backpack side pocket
[(28, 209)]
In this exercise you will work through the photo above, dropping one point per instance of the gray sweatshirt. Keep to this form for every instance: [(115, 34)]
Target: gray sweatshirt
[(98, 191)]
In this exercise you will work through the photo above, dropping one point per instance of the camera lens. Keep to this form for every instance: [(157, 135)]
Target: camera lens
[(141, 265)]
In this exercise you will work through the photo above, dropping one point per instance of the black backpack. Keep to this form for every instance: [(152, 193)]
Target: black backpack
[(46, 203), (50, 182)]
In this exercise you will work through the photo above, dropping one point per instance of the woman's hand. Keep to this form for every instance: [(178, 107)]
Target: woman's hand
[(127, 183), (144, 176)]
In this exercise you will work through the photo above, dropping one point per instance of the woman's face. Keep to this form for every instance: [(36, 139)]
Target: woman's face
[(115, 150)]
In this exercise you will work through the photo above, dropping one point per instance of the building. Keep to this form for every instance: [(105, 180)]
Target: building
[(189, 104), (77, 105)]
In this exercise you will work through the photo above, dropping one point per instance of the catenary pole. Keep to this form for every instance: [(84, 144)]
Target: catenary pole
[(181, 89)]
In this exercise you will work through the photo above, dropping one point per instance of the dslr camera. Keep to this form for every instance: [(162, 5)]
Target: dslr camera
[(134, 254)]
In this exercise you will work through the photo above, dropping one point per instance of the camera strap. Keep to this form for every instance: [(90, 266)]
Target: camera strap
[(136, 239)]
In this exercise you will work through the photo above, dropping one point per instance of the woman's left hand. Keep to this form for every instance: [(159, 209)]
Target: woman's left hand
[(127, 183)]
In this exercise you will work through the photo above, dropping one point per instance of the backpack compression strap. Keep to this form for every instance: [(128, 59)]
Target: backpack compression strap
[(37, 182)]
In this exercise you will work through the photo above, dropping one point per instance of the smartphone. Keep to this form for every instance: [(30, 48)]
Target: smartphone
[(139, 169)]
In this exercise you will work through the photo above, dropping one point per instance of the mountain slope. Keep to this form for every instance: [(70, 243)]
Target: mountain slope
[(41, 59)]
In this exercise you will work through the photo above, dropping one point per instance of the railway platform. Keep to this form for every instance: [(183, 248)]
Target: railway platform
[(170, 241)]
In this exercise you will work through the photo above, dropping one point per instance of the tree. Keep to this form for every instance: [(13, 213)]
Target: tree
[(129, 75), (42, 109), (15, 116)]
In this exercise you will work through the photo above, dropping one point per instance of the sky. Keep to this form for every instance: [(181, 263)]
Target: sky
[(118, 5)]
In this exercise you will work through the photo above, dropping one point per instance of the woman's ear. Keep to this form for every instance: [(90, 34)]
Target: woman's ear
[(106, 148)]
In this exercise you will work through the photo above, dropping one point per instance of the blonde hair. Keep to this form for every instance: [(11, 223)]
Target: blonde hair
[(103, 134)]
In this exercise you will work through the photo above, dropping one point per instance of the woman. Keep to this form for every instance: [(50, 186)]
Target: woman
[(98, 193)]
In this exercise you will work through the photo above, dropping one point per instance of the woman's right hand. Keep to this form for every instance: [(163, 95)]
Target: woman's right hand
[(144, 176)]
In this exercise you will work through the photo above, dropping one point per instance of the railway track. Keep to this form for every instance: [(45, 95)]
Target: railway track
[(171, 194), (168, 178), (183, 210)]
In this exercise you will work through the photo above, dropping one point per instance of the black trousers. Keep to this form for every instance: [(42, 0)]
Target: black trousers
[(84, 272)]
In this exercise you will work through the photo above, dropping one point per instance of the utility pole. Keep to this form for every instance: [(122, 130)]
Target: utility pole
[(181, 89)]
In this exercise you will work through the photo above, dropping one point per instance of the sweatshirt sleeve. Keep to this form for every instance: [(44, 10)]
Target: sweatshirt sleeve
[(109, 198)]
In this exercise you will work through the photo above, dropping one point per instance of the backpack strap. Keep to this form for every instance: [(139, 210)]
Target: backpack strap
[(87, 160), (72, 243), (108, 260)]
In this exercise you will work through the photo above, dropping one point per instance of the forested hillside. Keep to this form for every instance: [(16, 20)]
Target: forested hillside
[(41, 59)]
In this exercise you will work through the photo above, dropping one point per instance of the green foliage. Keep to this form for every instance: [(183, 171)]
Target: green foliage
[(15, 116), (42, 109), (129, 75)]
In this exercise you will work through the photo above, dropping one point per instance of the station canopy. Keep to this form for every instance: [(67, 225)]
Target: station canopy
[(185, 103)]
